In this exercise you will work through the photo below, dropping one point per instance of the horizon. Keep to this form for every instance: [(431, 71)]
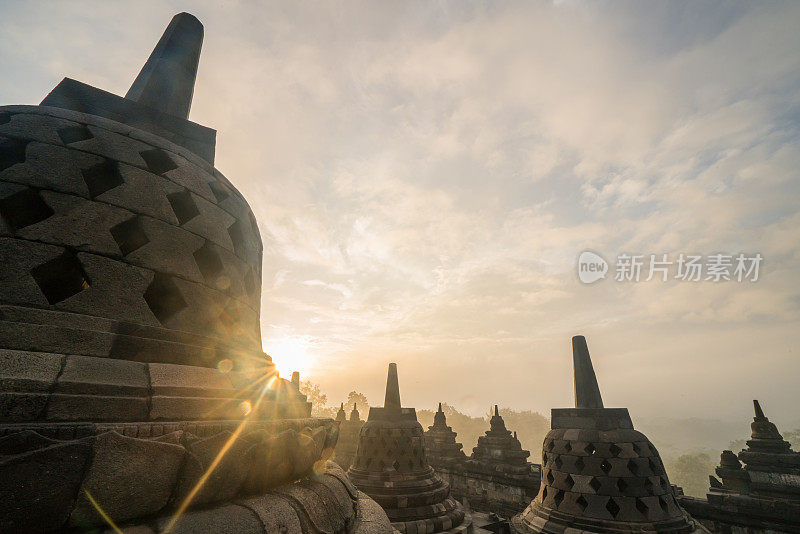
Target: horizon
[(425, 177)]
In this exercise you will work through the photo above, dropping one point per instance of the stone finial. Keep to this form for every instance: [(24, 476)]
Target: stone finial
[(439, 419), (166, 82), (340, 415), (496, 423), (758, 410), (762, 428), (392, 398), (587, 392), (296, 380)]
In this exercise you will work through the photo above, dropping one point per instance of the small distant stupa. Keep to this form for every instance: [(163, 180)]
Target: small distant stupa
[(499, 446), (440, 442), (349, 430)]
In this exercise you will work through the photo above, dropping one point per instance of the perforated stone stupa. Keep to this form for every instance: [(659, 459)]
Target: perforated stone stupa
[(598, 473), (133, 387), (760, 489), (392, 468)]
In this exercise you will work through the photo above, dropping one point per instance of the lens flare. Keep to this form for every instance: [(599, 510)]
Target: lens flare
[(224, 366), (102, 512), (245, 407), (252, 409)]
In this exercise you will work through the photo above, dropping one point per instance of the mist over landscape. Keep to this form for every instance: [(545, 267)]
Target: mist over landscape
[(690, 447)]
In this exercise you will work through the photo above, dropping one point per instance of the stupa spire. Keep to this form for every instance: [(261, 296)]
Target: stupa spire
[(166, 82), (587, 392), (392, 399), (758, 410)]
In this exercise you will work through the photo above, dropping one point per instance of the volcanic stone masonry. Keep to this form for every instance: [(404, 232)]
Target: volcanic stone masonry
[(391, 467), (497, 478), (349, 430), (761, 497), (440, 443), (598, 473), (132, 382)]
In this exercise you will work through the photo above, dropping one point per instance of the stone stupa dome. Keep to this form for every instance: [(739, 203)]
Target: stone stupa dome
[(598, 473)]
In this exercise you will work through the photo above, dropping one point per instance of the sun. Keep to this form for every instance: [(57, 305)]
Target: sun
[(291, 353)]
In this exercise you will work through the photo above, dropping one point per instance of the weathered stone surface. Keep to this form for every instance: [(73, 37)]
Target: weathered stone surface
[(188, 177), (38, 488), (274, 512), (64, 407), (36, 127), (87, 224), (187, 380), (171, 408), (127, 478), (228, 519), (371, 517), (77, 223), (16, 407), (272, 463), (304, 454), (225, 480), (102, 376), (53, 168), (28, 371), (18, 259), (169, 249), (113, 145)]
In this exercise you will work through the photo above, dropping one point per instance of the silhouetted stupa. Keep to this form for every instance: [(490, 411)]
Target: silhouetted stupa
[(391, 467), (440, 442), (761, 496), (598, 473), (498, 446), (349, 430)]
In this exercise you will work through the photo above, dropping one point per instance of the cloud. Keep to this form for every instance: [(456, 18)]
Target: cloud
[(426, 174)]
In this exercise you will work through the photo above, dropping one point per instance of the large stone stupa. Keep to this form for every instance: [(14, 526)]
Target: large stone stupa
[(598, 473), (391, 467), (133, 387)]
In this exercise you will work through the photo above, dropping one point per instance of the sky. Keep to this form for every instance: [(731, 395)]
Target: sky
[(426, 174)]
